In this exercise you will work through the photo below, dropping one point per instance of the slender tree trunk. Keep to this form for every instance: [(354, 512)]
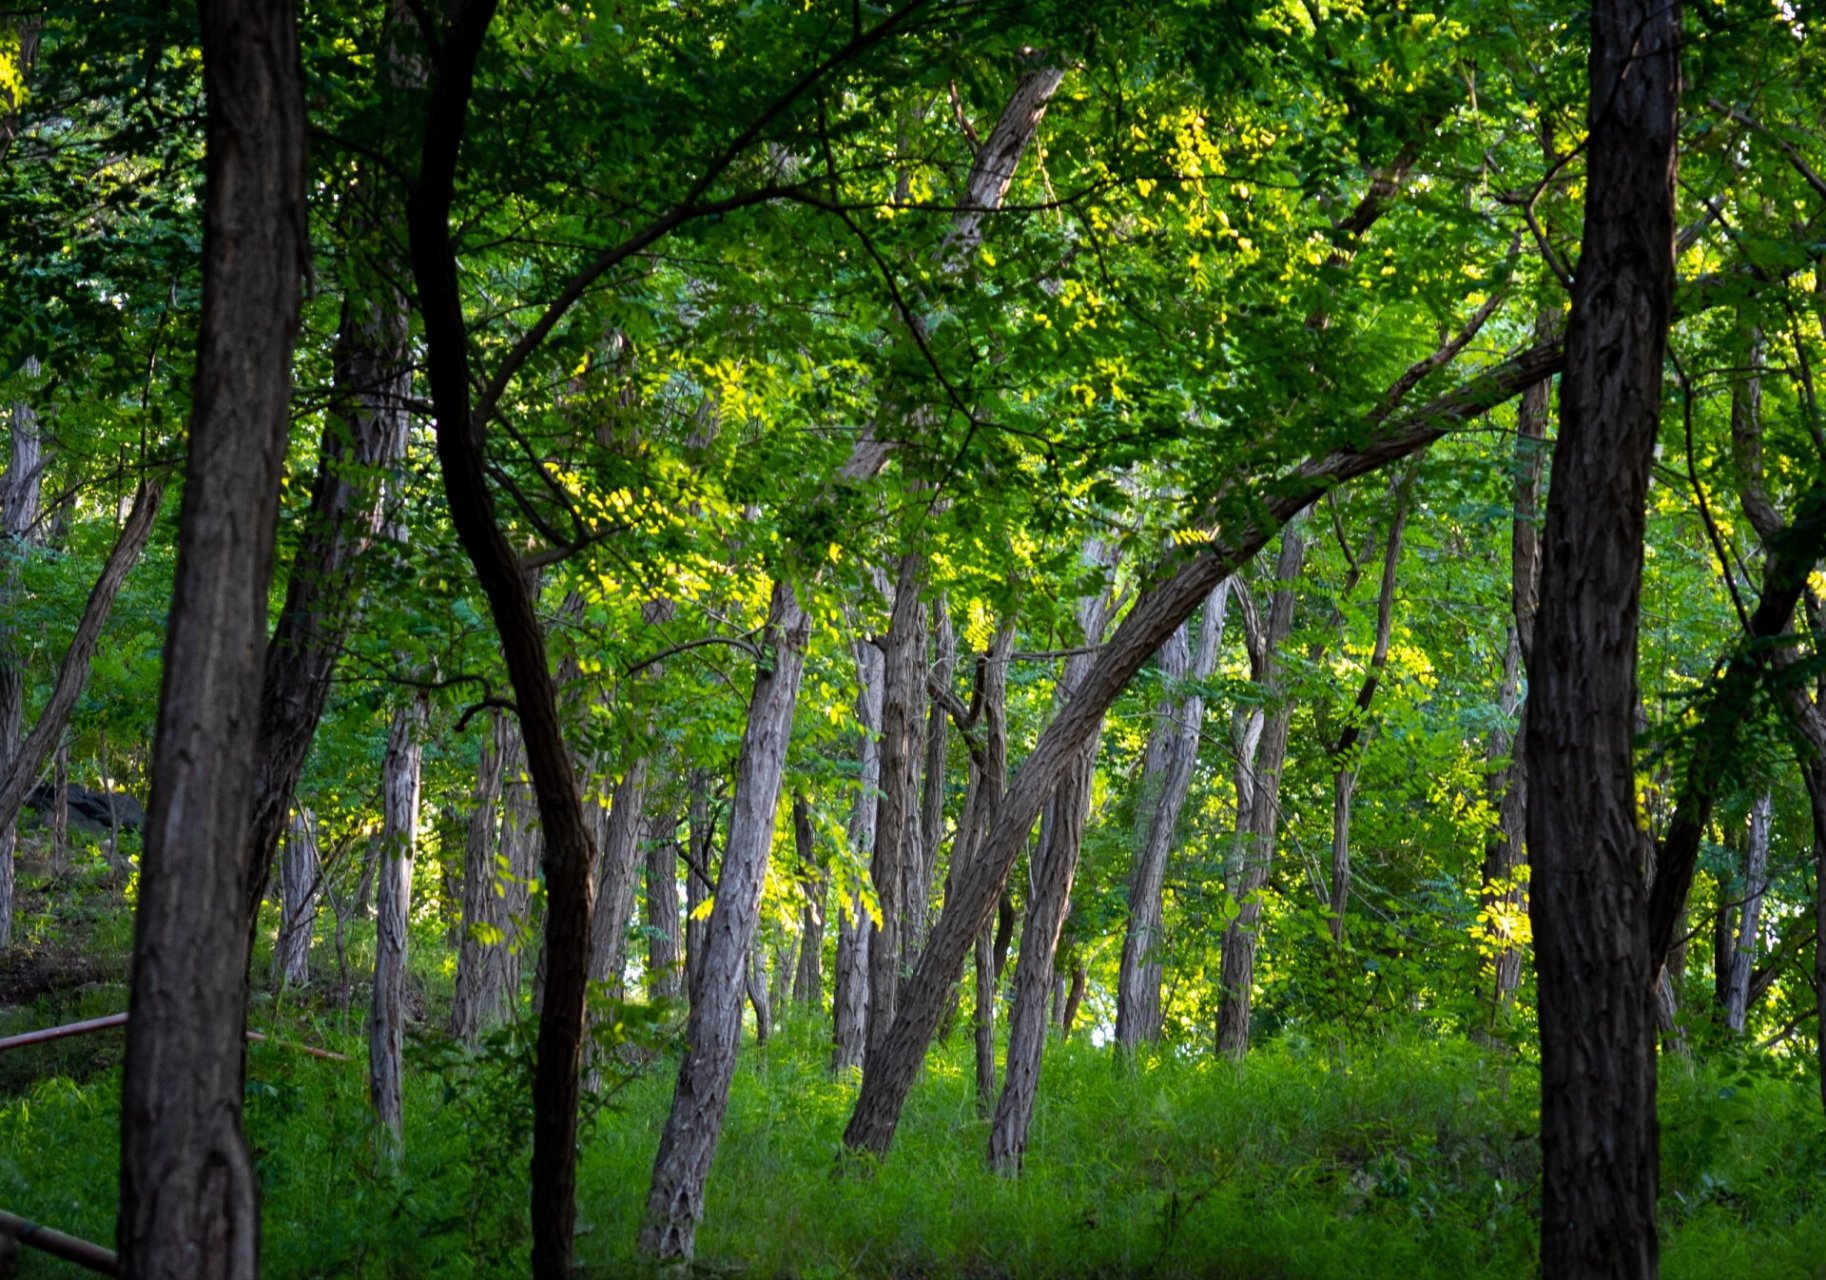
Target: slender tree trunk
[(1237, 978), (895, 865), (620, 867), (713, 1031), (665, 947), (60, 806), (1166, 777), (1501, 898), (756, 986), (808, 977), (1756, 884), (20, 491), (1052, 871), (851, 1000), (932, 795), (1588, 856), (487, 932), (392, 911), (697, 878), (189, 1194), (298, 870)]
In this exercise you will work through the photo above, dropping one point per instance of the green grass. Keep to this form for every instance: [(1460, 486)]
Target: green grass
[(1407, 1158)]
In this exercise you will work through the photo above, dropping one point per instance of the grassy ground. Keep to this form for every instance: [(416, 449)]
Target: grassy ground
[(1405, 1158)]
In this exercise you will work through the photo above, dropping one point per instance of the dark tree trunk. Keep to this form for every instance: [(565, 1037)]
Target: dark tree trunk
[(1166, 776), (189, 1194), (1588, 856), (932, 795), (1756, 884), (850, 1002), (392, 910), (1237, 976), (808, 977), (758, 996), (713, 1030), (895, 865), (697, 877)]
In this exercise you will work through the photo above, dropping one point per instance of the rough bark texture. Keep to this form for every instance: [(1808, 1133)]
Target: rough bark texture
[(1588, 856), (1166, 776), (1237, 977), (894, 865), (849, 1015), (392, 909), (189, 1195), (932, 795), (713, 1030), (1051, 872), (298, 869), (620, 866), (697, 877), (487, 931)]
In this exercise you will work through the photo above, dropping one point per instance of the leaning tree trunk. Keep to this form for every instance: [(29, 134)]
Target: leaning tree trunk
[(895, 864), (1053, 868), (392, 910), (1587, 852), (849, 1013), (713, 1030), (485, 932), (1236, 983), (298, 871), (1756, 884), (1166, 777), (189, 1194)]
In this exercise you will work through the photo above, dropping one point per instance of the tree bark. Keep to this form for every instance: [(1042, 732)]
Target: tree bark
[(569, 854), (665, 947), (1052, 871), (1166, 776), (488, 931), (808, 977), (298, 871), (1237, 976), (894, 867), (932, 795), (189, 1195), (758, 997), (851, 999), (1756, 884), (615, 884), (713, 1030), (392, 911), (697, 877), (1588, 855), (20, 492)]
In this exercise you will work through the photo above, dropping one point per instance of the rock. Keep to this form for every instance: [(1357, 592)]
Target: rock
[(90, 810)]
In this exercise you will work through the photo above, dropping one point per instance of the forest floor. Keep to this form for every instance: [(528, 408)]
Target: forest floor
[(1410, 1157)]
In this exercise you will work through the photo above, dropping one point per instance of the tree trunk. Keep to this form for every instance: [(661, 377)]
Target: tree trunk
[(392, 912), (1587, 852), (697, 878), (1756, 884), (488, 932), (713, 1030), (1166, 776), (189, 1194), (894, 868), (615, 885), (851, 1000), (298, 870), (665, 948), (932, 795), (1052, 871), (1237, 976), (756, 984), (20, 492), (808, 977)]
